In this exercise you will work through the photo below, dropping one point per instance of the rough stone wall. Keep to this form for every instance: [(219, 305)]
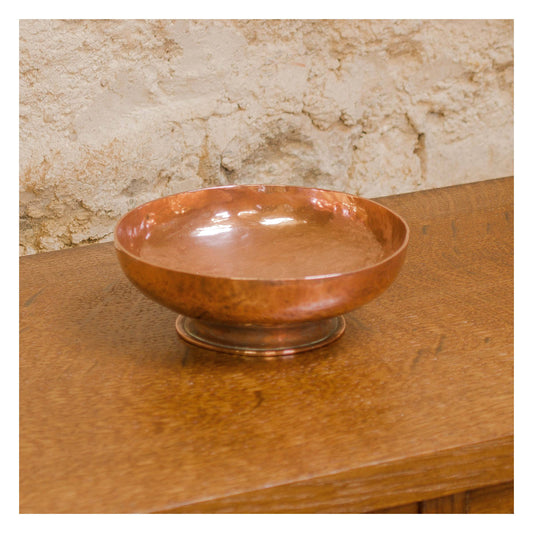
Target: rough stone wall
[(116, 113)]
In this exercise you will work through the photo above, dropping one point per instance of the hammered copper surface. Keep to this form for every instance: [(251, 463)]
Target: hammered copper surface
[(258, 256)]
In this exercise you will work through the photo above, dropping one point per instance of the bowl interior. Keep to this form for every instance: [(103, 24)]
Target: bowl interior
[(261, 232)]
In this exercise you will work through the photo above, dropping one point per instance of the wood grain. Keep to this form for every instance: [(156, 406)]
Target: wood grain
[(384, 484), (415, 401), (497, 499), (408, 508), (452, 504)]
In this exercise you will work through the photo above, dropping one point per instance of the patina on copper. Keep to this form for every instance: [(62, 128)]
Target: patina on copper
[(261, 269)]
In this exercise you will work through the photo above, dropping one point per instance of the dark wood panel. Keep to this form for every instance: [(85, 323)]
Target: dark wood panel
[(452, 504), (408, 508), (498, 499)]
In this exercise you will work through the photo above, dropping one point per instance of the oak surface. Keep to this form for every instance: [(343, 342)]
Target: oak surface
[(414, 402), (494, 499)]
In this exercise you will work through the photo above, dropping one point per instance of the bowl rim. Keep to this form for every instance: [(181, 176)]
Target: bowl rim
[(262, 187)]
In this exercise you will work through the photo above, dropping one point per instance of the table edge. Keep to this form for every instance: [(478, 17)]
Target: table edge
[(375, 486)]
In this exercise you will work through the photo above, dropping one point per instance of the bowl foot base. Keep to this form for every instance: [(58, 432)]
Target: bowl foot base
[(263, 341)]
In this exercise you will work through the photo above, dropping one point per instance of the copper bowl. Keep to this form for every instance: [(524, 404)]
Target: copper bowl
[(261, 269)]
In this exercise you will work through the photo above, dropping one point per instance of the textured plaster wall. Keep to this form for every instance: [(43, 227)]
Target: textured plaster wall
[(115, 113)]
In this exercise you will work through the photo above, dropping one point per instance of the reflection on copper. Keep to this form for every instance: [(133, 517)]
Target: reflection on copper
[(249, 212), (263, 269), (274, 221), (223, 215), (209, 231)]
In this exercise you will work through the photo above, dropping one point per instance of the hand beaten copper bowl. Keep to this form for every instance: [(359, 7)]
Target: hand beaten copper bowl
[(261, 270)]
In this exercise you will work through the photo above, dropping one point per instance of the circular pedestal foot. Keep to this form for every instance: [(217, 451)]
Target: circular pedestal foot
[(260, 340)]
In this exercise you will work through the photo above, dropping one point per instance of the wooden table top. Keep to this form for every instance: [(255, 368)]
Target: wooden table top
[(415, 401)]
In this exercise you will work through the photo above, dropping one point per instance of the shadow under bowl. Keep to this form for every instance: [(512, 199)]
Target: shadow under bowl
[(261, 269)]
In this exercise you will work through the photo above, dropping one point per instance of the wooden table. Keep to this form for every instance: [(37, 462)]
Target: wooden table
[(410, 411)]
